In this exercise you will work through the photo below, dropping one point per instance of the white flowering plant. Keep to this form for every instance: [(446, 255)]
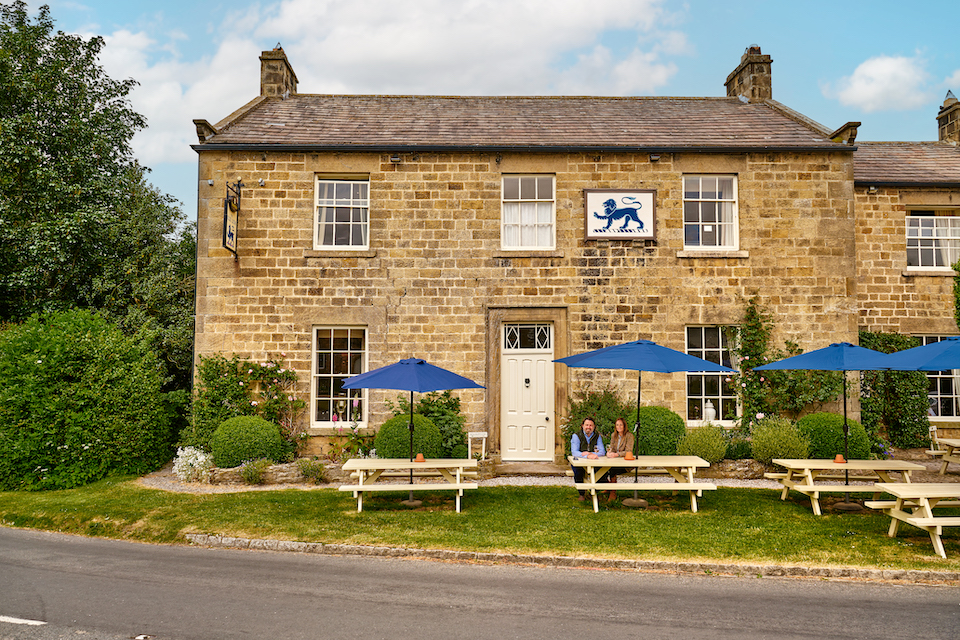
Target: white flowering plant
[(192, 465)]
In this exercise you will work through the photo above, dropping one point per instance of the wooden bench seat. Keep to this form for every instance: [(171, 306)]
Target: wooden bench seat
[(775, 476), (936, 453), (416, 474), (646, 486), (942, 521), (439, 486), (892, 504)]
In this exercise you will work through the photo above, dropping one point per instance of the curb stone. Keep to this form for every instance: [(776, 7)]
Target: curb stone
[(709, 568)]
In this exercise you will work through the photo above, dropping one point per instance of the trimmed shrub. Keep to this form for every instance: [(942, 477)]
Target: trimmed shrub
[(443, 409), (776, 437), (709, 442), (825, 433), (659, 432), (245, 438), (79, 401), (393, 438)]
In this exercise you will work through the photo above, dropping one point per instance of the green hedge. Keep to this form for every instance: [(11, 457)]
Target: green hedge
[(393, 438), (825, 433), (79, 401), (709, 442), (660, 431), (776, 437)]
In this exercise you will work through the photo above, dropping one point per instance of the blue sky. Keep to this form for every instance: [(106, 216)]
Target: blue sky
[(887, 64)]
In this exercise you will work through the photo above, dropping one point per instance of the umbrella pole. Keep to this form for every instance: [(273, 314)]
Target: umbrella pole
[(846, 505), (636, 501)]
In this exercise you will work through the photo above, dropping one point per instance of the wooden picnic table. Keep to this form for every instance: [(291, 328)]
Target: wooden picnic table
[(808, 475), (680, 468), (914, 505), (950, 453), (369, 470)]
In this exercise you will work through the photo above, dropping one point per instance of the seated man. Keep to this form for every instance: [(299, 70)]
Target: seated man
[(586, 443)]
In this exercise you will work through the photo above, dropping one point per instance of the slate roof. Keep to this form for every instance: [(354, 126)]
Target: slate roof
[(907, 163), (349, 122)]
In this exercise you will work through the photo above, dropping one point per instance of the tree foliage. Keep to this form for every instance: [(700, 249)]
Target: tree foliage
[(80, 227)]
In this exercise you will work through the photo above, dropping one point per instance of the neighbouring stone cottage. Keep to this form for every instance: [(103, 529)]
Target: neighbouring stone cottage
[(492, 235)]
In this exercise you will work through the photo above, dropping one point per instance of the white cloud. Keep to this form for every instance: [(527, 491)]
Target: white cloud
[(953, 82), (884, 83), (471, 47)]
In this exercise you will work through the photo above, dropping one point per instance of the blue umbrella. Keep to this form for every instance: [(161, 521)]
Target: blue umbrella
[(936, 356), (841, 356), (412, 374)]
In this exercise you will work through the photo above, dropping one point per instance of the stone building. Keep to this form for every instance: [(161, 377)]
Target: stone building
[(492, 235)]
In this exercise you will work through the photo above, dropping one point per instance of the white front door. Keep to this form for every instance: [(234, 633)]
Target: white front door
[(526, 393)]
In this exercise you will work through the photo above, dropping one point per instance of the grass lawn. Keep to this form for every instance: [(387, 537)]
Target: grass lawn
[(732, 525)]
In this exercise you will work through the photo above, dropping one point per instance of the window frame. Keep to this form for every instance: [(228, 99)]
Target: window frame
[(364, 212), (933, 215), (934, 379), (316, 375), (520, 200), (726, 395), (733, 243)]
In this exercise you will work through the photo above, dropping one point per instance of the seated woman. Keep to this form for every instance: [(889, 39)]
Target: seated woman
[(621, 442)]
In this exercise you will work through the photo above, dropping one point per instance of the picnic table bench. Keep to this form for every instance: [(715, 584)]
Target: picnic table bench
[(807, 476), (369, 470), (914, 505), (681, 468), (950, 452)]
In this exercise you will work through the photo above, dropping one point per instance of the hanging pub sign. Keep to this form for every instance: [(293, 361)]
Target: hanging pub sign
[(620, 214), (231, 216)]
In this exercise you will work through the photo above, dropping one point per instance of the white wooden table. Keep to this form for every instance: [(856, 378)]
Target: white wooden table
[(680, 468), (951, 452), (369, 470), (808, 475), (914, 505)]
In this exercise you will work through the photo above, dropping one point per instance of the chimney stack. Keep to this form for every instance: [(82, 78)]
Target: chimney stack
[(277, 78), (752, 78), (948, 120)]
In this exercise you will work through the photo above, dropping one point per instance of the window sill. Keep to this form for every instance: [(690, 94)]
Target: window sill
[(340, 253), (712, 253), (529, 253), (941, 273), (339, 431)]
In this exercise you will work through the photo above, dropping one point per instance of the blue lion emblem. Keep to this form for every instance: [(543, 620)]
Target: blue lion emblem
[(611, 213)]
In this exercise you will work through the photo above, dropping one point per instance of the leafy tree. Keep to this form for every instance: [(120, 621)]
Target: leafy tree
[(65, 130), (79, 224)]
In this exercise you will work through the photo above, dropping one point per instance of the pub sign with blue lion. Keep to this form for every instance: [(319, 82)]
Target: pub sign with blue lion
[(621, 215)]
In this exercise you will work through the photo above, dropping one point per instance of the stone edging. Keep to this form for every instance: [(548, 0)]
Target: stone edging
[(708, 568)]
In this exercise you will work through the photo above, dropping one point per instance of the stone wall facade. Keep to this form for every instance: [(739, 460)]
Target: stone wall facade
[(436, 284)]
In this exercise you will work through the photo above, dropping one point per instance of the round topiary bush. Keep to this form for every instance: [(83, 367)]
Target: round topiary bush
[(244, 438), (775, 437), (393, 438), (660, 431), (825, 433), (79, 401)]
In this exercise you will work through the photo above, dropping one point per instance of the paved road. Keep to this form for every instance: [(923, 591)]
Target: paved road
[(110, 589)]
